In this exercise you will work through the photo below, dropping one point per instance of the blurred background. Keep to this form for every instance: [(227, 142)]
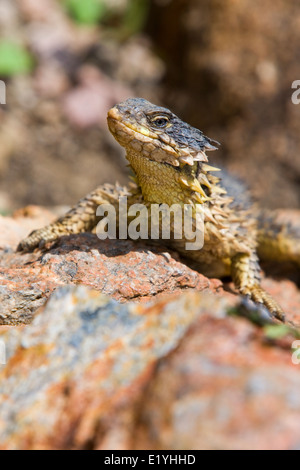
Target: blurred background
[(225, 66)]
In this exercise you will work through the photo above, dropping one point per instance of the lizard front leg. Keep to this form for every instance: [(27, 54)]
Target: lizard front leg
[(245, 273), (81, 218)]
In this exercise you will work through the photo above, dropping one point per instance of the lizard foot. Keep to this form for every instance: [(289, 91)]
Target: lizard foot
[(258, 295)]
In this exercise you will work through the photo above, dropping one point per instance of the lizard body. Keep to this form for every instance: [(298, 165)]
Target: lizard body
[(169, 161)]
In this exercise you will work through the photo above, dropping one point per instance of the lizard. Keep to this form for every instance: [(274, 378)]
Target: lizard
[(169, 161)]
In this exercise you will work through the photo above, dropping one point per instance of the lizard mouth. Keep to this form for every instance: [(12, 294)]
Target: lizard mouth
[(119, 126), (116, 119)]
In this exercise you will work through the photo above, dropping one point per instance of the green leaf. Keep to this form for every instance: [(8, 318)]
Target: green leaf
[(14, 59), (86, 11), (135, 15), (277, 331)]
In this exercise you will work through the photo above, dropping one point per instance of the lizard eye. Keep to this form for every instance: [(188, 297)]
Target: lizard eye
[(160, 121)]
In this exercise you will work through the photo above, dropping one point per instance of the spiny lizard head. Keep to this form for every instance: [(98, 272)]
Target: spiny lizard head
[(157, 133)]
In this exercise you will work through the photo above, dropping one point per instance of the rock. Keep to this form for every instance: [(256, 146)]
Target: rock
[(81, 366), (227, 388), (13, 229), (121, 268), (96, 372), (175, 373)]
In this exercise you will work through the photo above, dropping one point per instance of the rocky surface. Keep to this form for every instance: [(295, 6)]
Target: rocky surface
[(169, 360), (226, 386), (177, 373), (122, 268), (82, 360)]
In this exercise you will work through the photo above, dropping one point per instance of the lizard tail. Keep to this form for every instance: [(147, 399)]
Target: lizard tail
[(279, 238)]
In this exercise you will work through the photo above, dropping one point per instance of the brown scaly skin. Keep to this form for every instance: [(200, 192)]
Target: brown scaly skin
[(169, 160)]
